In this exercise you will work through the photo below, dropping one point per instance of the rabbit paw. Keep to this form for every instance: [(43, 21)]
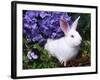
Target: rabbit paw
[(63, 62)]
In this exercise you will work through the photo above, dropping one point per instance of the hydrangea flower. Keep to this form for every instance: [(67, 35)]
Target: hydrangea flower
[(40, 25)]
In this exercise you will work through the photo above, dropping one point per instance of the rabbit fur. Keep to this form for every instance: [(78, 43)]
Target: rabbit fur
[(67, 47)]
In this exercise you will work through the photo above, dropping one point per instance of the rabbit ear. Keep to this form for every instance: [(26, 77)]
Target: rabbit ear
[(64, 25), (74, 25)]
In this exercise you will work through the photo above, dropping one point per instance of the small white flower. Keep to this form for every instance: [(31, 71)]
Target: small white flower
[(29, 56)]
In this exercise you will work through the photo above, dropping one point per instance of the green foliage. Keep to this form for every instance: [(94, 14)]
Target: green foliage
[(86, 47), (45, 61)]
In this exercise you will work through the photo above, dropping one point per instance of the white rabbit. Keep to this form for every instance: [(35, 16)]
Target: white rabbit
[(67, 47)]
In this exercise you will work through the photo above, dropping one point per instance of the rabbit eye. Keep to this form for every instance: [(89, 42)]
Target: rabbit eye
[(72, 36)]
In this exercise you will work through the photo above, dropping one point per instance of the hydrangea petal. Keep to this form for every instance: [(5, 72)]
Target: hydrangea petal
[(40, 25)]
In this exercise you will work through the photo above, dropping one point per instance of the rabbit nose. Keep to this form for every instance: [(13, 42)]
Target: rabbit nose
[(80, 43), (81, 40)]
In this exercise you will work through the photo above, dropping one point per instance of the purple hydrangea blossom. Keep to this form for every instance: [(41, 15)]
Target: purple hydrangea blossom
[(40, 25)]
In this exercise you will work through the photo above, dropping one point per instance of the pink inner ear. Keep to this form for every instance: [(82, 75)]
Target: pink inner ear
[(64, 25)]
